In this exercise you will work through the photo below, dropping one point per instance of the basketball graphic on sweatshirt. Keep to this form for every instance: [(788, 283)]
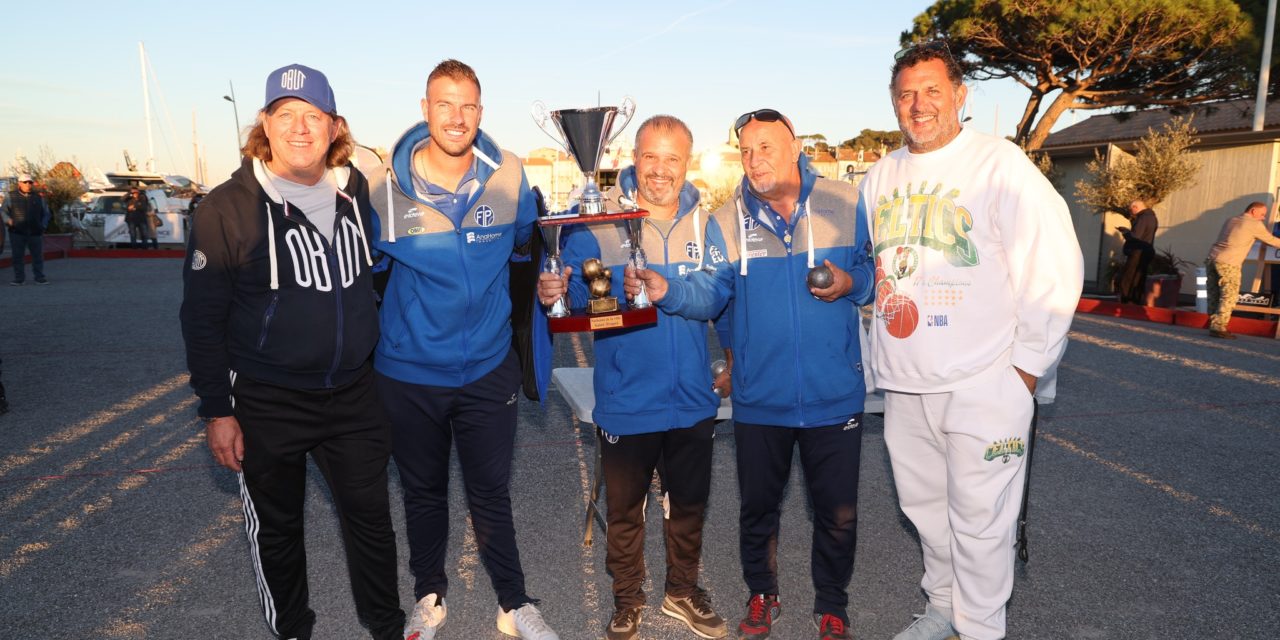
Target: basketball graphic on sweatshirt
[(900, 315)]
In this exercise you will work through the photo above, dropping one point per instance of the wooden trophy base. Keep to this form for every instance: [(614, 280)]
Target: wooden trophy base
[(580, 321)]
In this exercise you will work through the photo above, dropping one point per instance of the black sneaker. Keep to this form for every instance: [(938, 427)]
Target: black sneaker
[(625, 624), (1225, 335), (695, 611), (42, 281), (762, 611), (15, 283)]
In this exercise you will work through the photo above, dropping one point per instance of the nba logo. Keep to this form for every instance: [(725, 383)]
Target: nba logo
[(692, 250), (484, 215)]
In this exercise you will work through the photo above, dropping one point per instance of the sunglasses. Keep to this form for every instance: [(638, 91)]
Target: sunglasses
[(763, 115), (933, 45)]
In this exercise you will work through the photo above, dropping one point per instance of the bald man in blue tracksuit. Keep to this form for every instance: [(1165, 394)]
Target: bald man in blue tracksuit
[(796, 366), (653, 386)]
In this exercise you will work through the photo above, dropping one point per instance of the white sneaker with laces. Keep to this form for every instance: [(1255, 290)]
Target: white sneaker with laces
[(428, 616), (935, 624), (525, 622)]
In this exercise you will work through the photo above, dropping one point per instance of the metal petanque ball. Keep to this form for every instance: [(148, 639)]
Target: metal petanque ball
[(592, 268), (600, 287), (718, 368), (820, 277)]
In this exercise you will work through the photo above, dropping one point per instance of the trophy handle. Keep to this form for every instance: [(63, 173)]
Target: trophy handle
[(542, 118), (627, 110)]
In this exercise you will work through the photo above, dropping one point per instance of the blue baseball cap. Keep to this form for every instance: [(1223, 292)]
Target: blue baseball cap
[(305, 83)]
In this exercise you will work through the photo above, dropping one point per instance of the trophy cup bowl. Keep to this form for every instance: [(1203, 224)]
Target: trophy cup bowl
[(585, 133)]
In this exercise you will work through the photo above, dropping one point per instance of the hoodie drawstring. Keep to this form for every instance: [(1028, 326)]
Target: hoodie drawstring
[(808, 223), (391, 212), (697, 238), (360, 224), (742, 238), (271, 245)]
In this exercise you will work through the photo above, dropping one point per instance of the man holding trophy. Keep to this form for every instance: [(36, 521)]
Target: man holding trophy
[(653, 386), (453, 207), (797, 375)]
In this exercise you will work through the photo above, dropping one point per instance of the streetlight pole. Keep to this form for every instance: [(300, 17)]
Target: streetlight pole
[(236, 110)]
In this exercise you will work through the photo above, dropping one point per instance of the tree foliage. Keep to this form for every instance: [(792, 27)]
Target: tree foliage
[(873, 140), (59, 183), (1096, 54), (1160, 166)]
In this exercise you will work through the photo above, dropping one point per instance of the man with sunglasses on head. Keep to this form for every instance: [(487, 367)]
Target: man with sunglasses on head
[(794, 355), (978, 276), (26, 215)]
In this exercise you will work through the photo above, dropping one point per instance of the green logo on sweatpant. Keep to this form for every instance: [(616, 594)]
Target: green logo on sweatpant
[(1004, 448)]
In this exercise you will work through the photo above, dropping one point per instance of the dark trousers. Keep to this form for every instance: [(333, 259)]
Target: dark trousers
[(137, 235), (480, 419), (347, 436), (629, 462), (22, 244), (830, 458), (1133, 280)]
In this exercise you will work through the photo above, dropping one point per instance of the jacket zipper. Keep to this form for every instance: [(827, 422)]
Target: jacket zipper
[(266, 319)]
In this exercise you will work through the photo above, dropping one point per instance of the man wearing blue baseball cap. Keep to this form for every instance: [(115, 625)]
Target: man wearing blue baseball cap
[(279, 320)]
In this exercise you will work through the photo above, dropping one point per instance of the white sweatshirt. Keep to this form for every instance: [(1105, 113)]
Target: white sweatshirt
[(978, 265)]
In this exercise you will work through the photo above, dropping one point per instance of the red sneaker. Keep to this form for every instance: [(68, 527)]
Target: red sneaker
[(831, 627), (762, 611)]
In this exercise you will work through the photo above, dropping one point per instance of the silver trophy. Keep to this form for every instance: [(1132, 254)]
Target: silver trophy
[(635, 231), (585, 133), (554, 264)]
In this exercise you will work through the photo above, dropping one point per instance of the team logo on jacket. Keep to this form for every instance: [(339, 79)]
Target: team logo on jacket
[(198, 260), (1004, 449), (692, 250), (716, 256), (609, 437), (484, 215), (749, 223)]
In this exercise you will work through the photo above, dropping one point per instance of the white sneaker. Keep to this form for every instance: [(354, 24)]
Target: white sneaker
[(935, 624), (525, 622), (428, 616)]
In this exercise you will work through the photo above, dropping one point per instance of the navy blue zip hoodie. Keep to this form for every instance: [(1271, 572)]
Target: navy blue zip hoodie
[(266, 296)]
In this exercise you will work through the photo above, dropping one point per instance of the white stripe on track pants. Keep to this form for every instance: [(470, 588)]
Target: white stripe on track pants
[(959, 465)]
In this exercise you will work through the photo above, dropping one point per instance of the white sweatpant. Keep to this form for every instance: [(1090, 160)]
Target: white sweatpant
[(959, 461)]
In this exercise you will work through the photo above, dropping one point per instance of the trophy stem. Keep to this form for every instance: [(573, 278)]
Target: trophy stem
[(592, 201)]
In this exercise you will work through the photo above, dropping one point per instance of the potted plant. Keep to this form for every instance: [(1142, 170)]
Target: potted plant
[(1164, 279)]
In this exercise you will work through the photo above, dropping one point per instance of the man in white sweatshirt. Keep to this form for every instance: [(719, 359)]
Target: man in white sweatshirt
[(978, 273)]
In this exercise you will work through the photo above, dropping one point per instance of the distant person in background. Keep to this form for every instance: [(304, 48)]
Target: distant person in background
[(1139, 249), (26, 215), (154, 222), (136, 208), (849, 174), (1225, 258)]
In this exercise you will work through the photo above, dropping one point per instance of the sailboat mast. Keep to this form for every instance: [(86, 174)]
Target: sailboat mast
[(150, 163)]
